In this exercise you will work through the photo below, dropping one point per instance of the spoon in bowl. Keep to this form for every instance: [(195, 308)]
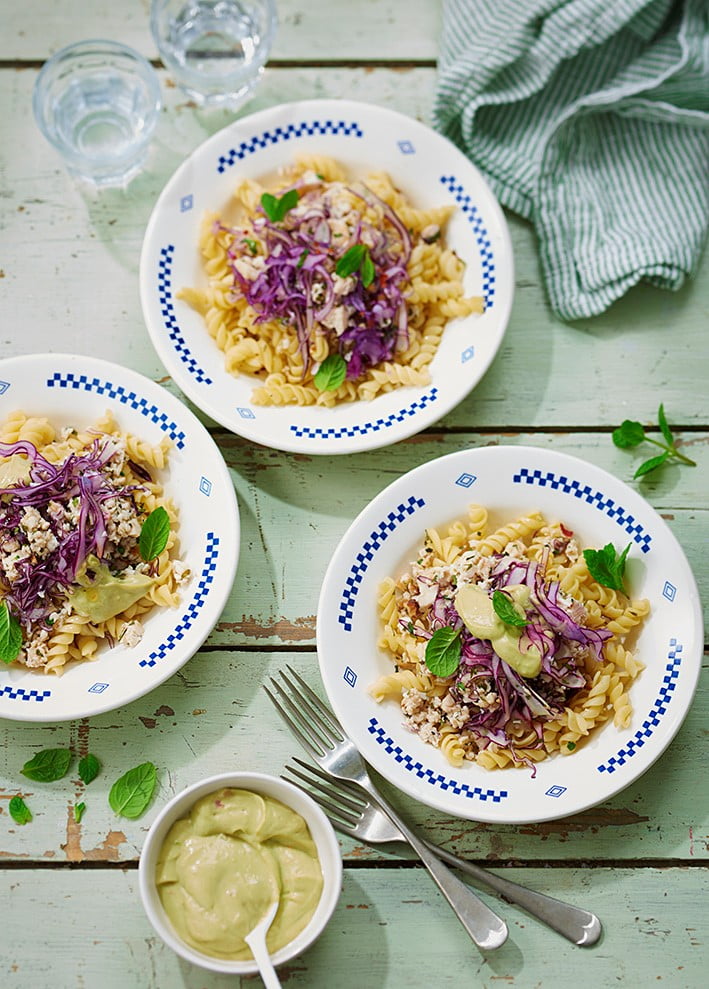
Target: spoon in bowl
[(256, 940)]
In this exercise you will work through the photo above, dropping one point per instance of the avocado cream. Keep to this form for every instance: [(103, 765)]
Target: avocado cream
[(221, 868), (474, 606)]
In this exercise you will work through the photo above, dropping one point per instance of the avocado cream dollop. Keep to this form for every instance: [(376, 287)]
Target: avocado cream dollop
[(474, 606), (223, 866), (101, 594)]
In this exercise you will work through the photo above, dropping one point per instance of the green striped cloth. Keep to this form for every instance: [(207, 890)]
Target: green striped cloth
[(591, 118)]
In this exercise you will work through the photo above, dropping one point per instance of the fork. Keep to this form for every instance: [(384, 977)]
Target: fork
[(320, 734), (353, 813)]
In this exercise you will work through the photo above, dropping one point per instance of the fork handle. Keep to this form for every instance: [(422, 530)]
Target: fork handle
[(483, 925), (579, 926)]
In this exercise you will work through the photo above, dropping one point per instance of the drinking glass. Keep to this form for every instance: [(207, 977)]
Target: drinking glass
[(98, 103), (215, 49)]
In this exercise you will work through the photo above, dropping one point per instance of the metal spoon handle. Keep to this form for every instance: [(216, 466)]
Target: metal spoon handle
[(483, 925), (579, 926)]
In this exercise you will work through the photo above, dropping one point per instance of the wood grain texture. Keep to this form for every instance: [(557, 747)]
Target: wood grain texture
[(655, 934)]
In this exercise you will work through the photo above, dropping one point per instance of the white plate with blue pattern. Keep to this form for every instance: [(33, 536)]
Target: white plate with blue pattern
[(430, 171), (510, 481), (71, 390)]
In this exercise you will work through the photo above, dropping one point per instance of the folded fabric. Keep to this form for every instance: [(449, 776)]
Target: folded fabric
[(591, 118)]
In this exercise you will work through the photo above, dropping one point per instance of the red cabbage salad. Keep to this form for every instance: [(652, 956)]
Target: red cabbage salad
[(85, 540), (508, 650), (325, 281)]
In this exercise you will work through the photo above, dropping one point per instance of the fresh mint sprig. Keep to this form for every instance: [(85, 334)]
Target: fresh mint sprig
[(10, 635), (276, 208), (443, 652), (357, 258), (504, 608), (606, 567), (631, 434), (331, 373), (47, 765), (154, 534)]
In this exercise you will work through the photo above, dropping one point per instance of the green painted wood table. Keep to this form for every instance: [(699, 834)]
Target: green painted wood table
[(71, 915)]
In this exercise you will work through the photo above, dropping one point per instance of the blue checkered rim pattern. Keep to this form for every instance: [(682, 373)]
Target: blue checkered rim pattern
[(206, 580), (658, 709), (366, 555), (361, 429), (167, 311), (482, 237), (20, 694), (82, 382), (435, 779), (559, 482), (267, 138)]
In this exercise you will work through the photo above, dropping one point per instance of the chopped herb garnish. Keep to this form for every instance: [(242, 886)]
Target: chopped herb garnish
[(276, 208), (443, 652), (303, 256), (571, 746), (631, 434), (606, 567), (251, 244)]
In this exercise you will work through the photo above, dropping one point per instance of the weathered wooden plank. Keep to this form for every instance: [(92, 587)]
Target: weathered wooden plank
[(94, 932), (547, 374), (308, 29), (213, 717)]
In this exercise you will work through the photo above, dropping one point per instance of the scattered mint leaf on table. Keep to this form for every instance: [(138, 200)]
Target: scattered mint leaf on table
[(79, 811), (10, 635), (89, 768), (19, 811), (504, 608), (606, 567), (631, 434), (443, 652), (47, 765), (154, 534), (131, 793)]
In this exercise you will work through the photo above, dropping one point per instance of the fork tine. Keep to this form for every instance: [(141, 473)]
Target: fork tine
[(349, 791), (322, 709), (338, 815), (302, 732), (307, 718), (308, 709), (333, 794)]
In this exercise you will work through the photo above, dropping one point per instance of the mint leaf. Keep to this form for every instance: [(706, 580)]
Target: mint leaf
[(131, 793), (443, 652), (251, 244), (79, 811), (505, 609), (331, 373), (19, 811), (628, 434), (605, 567), (664, 426), (154, 534), (652, 464), (10, 635), (367, 271), (350, 260), (275, 208), (47, 765), (88, 768)]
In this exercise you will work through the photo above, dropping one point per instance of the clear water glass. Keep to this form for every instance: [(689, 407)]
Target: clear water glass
[(98, 102), (214, 49)]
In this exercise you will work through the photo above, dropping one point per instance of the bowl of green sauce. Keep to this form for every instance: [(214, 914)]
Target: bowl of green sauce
[(221, 852)]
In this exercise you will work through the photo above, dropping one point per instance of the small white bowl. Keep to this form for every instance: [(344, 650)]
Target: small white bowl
[(322, 833)]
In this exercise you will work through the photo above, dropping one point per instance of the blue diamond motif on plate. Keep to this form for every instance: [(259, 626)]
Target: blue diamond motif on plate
[(246, 413), (669, 591), (467, 355), (186, 203), (350, 676), (555, 791), (4, 385), (205, 486), (466, 480), (98, 688), (406, 147)]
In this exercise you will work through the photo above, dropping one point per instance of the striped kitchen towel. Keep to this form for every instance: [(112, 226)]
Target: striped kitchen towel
[(590, 118)]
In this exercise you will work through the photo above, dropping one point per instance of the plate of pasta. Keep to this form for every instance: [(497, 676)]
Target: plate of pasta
[(326, 276), (119, 536), (510, 634)]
